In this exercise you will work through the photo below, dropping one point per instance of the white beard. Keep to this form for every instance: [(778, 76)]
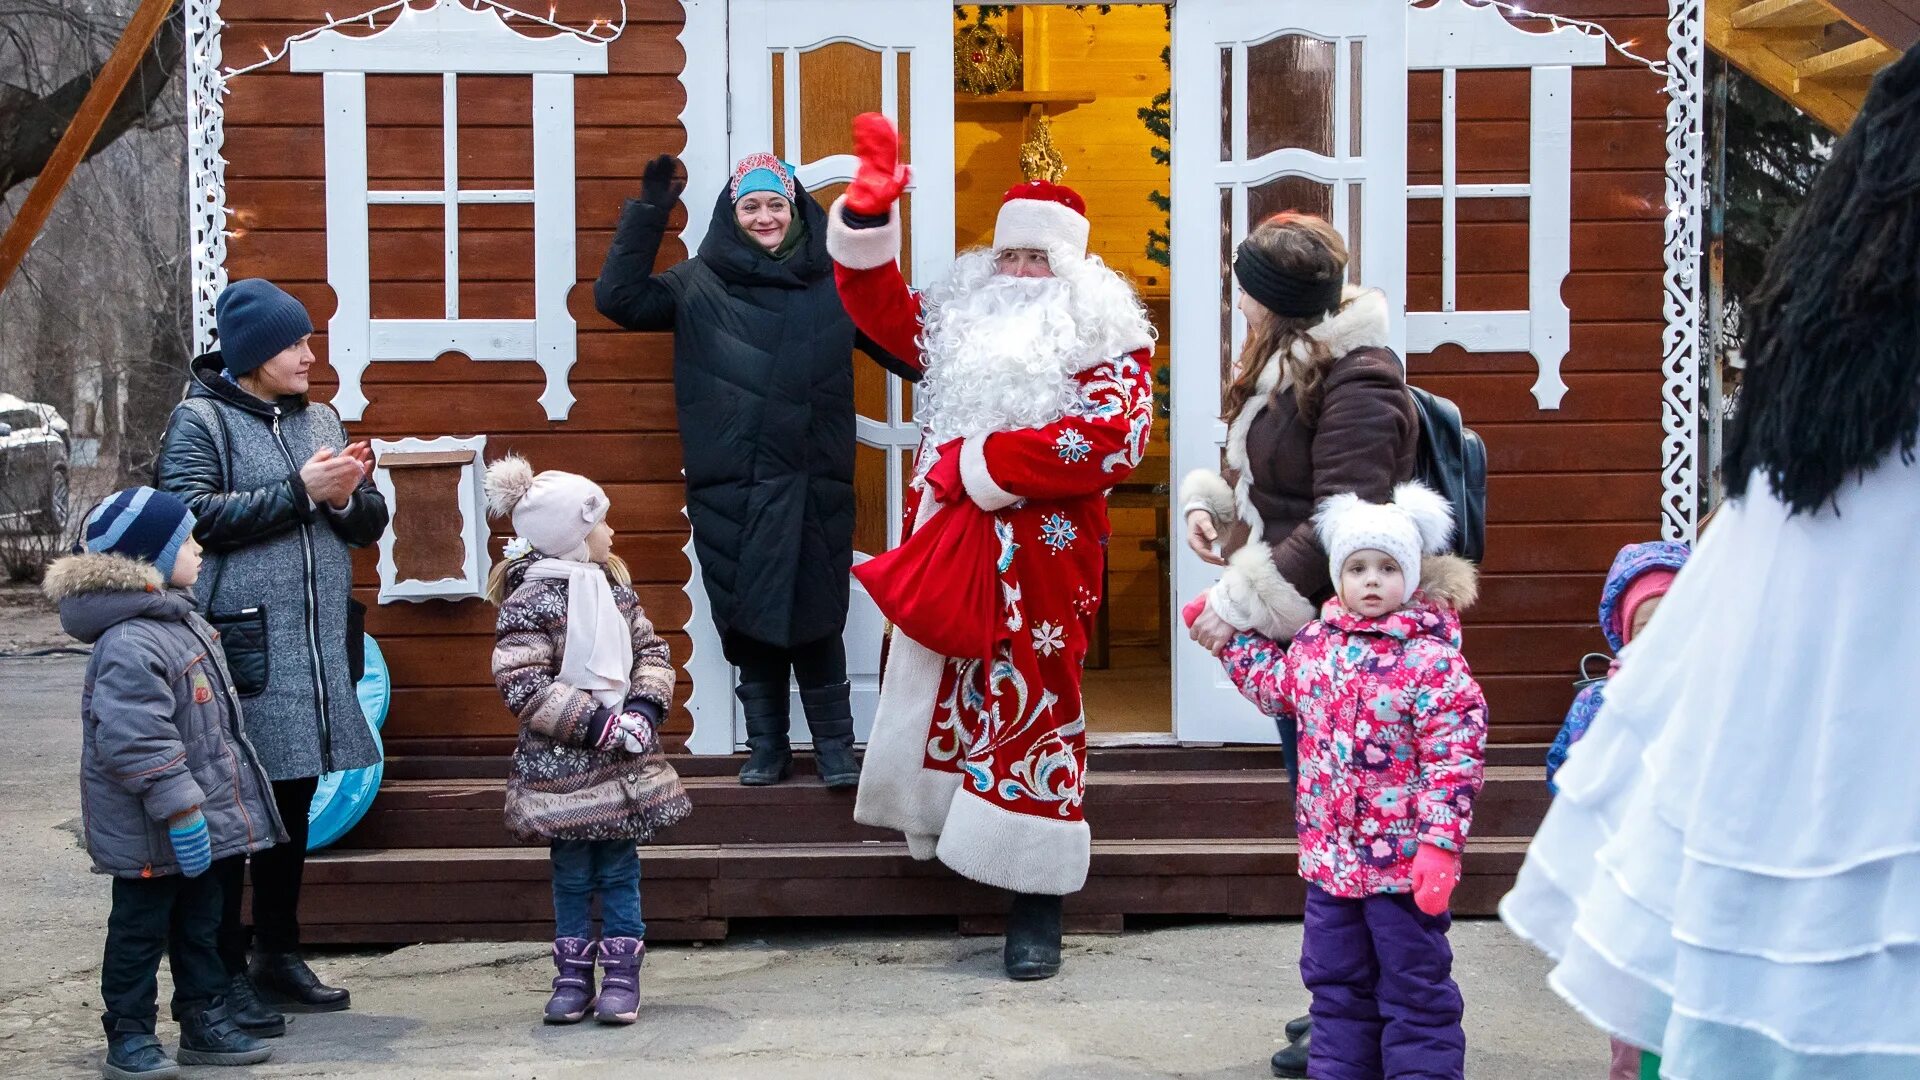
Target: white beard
[(1002, 352)]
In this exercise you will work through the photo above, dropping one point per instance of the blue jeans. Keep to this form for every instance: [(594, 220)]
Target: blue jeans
[(582, 868)]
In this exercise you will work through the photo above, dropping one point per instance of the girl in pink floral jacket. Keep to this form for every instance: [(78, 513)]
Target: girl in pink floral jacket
[(1392, 738)]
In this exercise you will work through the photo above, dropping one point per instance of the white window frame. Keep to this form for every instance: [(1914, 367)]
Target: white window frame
[(449, 40), (473, 522)]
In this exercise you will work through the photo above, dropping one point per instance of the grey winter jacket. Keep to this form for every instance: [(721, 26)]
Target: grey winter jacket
[(279, 570), (161, 730)]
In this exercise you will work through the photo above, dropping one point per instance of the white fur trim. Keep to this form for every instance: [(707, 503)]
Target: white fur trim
[(1252, 595), (100, 571), (995, 846), (1207, 491), (973, 472), (862, 249), (1040, 224), (897, 790), (1363, 322)]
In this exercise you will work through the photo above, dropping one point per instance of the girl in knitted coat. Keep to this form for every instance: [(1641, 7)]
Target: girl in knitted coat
[(1392, 743), (580, 665)]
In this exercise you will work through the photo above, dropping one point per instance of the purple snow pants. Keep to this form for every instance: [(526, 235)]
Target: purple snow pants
[(1384, 1001)]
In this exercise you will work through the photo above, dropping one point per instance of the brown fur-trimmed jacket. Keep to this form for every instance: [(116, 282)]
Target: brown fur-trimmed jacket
[(560, 786), (1279, 468)]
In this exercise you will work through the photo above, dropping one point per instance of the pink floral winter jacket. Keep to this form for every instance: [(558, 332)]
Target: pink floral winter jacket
[(1393, 733)]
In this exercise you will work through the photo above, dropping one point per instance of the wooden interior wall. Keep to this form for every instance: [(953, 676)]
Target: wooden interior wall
[(621, 431), (1568, 487)]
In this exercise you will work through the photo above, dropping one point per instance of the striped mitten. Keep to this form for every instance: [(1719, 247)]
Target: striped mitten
[(192, 846)]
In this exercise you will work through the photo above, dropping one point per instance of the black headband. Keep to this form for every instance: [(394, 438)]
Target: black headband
[(1281, 292)]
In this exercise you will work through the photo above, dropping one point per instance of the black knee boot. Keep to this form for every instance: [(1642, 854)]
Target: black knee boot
[(769, 754), (1033, 937), (830, 718)]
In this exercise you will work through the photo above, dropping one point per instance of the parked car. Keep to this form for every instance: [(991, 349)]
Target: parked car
[(34, 489)]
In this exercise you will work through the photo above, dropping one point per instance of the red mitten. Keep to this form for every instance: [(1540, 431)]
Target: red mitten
[(1435, 873), (881, 177), (944, 478), (1194, 609)]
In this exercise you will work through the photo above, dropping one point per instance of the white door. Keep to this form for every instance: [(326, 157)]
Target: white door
[(1277, 104), (798, 73)]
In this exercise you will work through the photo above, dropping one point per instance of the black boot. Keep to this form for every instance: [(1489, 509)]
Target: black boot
[(285, 981), (1033, 937), (769, 753), (830, 718), (1291, 1061), (250, 1014), (1298, 1027), (209, 1037), (134, 1054)]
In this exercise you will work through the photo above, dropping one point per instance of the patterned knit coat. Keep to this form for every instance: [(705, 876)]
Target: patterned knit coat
[(560, 787)]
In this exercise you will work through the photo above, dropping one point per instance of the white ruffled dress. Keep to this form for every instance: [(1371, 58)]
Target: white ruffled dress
[(1730, 875)]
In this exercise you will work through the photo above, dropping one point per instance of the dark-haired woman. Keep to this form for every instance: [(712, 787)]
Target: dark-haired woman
[(1728, 875), (763, 378), (1318, 407)]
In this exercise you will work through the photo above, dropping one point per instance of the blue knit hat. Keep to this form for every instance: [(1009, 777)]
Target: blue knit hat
[(140, 523), (256, 320), (761, 172)]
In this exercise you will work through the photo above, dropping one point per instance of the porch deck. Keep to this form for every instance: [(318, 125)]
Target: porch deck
[(1177, 832)]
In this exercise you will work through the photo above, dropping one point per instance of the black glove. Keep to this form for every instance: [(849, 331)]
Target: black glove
[(657, 184)]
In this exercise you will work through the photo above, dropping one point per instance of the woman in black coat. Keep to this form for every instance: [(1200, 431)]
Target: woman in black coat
[(763, 380)]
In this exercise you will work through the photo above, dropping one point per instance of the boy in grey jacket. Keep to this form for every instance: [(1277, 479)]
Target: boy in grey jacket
[(168, 781)]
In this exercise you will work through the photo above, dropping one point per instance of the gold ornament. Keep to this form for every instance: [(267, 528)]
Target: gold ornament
[(984, 61), (1039, 158)]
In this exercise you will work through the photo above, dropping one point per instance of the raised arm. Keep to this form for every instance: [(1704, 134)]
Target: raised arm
[(863, 236), (628, 291)]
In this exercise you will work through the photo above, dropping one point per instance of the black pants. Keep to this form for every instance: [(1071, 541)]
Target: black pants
[(173, 915), (276, 883), (814, 665)]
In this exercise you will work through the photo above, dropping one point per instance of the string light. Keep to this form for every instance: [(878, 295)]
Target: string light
[(1624, 48)]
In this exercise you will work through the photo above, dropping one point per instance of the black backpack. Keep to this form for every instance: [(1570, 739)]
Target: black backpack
[(1453, 461)]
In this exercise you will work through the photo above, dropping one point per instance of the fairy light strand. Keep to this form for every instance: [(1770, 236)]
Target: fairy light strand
[(1625, 48)]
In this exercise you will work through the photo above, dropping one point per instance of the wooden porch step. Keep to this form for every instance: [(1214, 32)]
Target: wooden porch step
[(1137, 805), (691, 891)]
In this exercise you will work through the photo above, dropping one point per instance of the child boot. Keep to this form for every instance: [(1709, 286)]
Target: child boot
[(134, 1054), (620, 960), (209, 1037), (1033, 937), (573, 985)]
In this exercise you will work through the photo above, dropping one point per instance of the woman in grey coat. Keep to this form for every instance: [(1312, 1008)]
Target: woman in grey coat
[(281, 499)]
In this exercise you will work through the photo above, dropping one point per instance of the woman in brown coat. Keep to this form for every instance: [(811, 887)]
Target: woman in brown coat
[(1318, 407)]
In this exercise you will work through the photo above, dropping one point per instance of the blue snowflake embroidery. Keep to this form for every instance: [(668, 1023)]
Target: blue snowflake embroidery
[(1072, 447), (1058, 533)]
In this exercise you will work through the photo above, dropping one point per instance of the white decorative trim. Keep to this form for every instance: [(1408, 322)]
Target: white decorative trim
[(987, 494), (448, 37), (1021, 852), (1040, 224), (897, 790), (1680, 396), (473, 523), (206, 169)]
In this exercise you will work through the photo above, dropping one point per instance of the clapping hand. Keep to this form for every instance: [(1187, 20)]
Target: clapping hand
[(658, 186), (331, 477)]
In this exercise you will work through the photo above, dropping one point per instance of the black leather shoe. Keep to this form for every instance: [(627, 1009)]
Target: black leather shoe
[(209, 1037), (1291, 1062), (1033, 937), (249, 1013), (1298, 1027), (286, 982), (134, 1054)]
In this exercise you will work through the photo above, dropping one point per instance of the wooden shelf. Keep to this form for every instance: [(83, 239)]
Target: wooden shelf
[(1065, 99)]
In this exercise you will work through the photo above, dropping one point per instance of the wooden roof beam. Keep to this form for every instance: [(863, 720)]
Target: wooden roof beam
[(1784, 14), (1856, 61)]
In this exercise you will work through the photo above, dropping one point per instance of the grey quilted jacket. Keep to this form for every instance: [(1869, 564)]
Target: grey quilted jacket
[(161, 728)]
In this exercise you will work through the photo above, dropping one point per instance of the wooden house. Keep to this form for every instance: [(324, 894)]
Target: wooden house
[(438, 181)]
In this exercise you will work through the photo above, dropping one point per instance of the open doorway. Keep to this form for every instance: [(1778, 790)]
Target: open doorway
[(1083, 89)]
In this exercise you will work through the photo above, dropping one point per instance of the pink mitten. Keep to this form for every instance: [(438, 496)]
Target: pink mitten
[(1435, 873), (1193, 609)]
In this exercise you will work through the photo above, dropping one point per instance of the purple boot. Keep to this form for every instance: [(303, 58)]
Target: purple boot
[(573, 986), (619, 1002)]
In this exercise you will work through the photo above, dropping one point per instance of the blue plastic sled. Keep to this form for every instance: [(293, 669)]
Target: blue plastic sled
[(342, 798)]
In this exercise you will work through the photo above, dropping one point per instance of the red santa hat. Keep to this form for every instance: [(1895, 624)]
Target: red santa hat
[(1043, 215)]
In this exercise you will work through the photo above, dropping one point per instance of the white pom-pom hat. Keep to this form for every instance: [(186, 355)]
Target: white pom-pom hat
[(554, 511), (1419, 521)]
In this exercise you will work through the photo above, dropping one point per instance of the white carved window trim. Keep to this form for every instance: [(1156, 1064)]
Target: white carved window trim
[(449, 40), (473, 522), (1453, 36)]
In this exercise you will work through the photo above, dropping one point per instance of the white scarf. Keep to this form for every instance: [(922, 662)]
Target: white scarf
[(598, 657)]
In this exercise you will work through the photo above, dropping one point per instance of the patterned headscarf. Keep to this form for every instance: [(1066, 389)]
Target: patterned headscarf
[(761, 172)]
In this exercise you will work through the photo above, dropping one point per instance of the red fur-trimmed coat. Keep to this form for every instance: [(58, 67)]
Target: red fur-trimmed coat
[(560, 787)]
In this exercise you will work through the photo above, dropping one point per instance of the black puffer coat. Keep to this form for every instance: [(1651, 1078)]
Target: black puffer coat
[(763, 377)]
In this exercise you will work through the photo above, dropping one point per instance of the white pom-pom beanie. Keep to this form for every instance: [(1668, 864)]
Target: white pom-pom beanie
[(1418, 521), (554, 511)]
